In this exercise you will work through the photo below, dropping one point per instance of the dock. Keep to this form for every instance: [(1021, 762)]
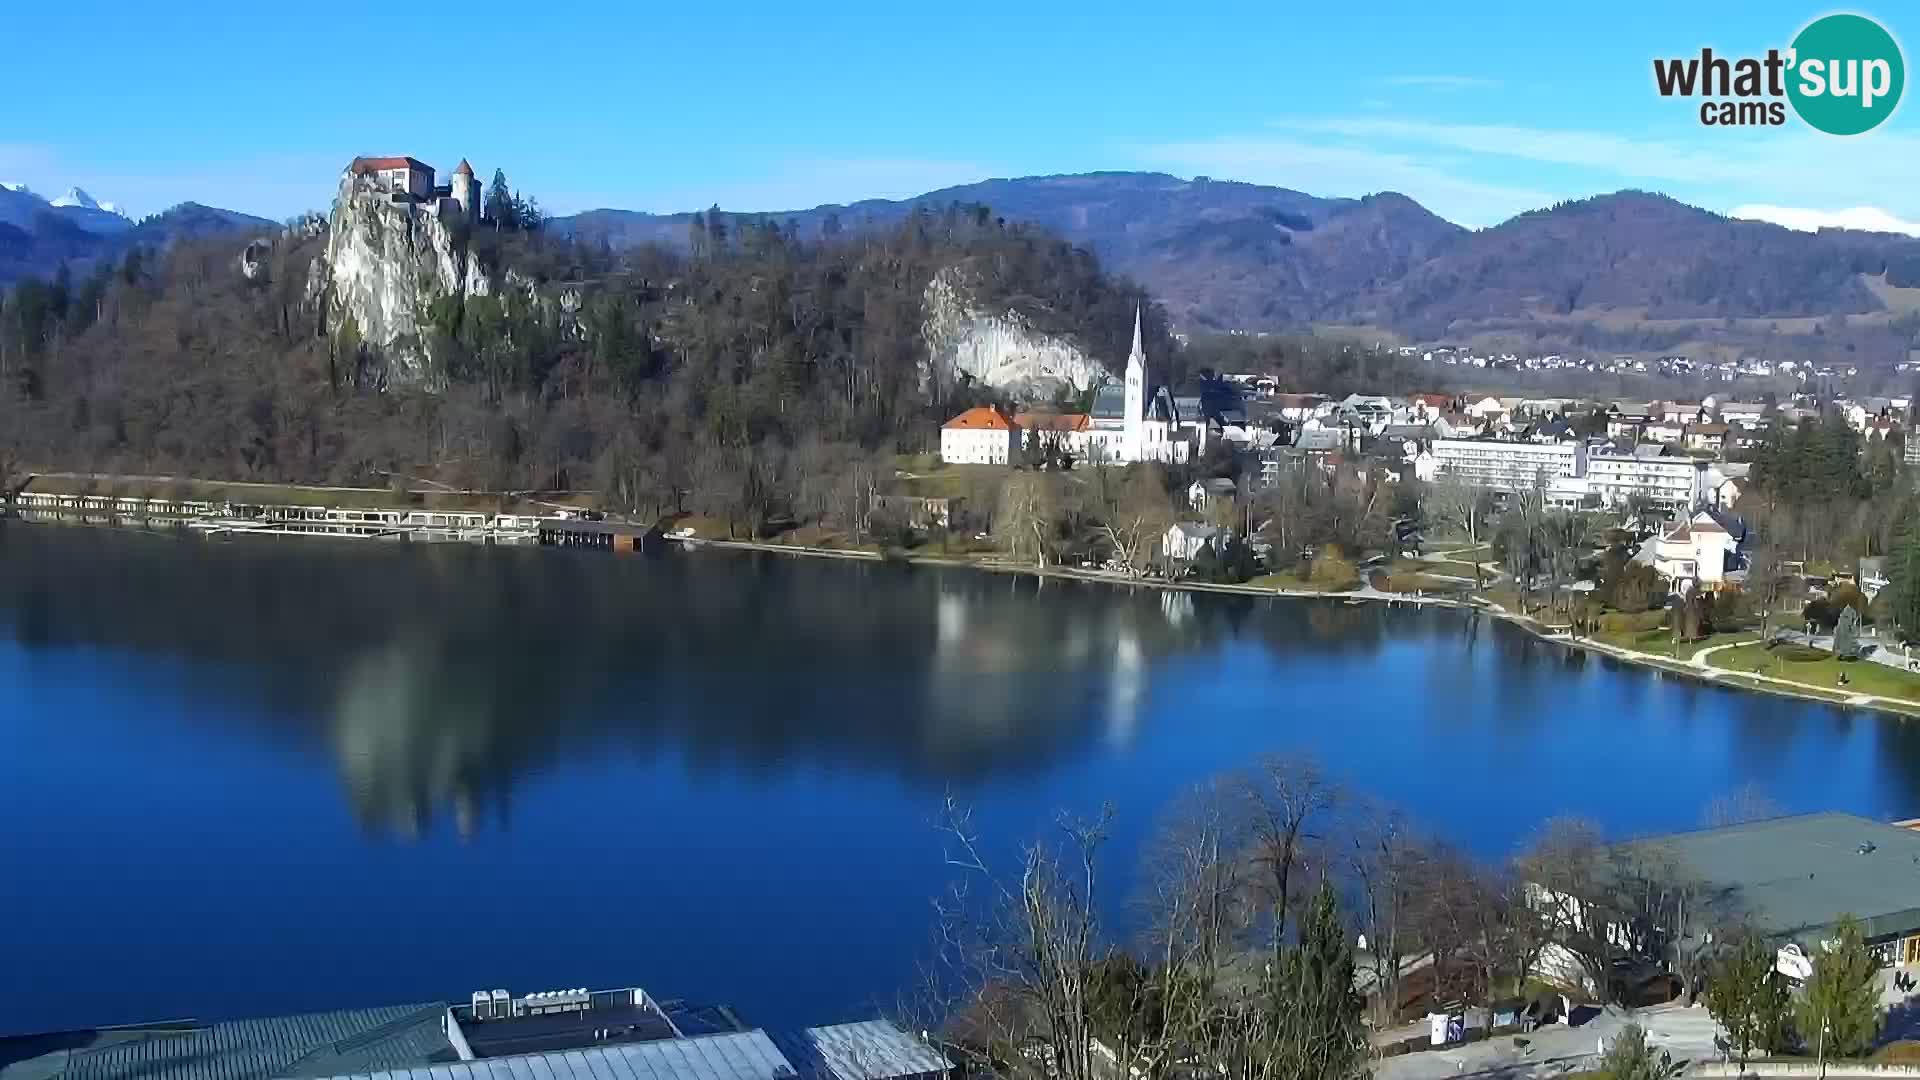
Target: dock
[(618, 537)]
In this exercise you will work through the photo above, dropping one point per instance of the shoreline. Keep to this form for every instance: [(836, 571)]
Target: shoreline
[(1703, 674)]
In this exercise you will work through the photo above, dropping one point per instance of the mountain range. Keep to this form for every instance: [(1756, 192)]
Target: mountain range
[(39, 235), (1628, 271), (1621, 270)]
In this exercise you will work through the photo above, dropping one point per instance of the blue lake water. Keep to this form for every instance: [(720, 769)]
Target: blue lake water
[(271, 776)]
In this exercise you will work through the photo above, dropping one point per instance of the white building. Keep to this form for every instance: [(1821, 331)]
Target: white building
[(1676, 483), (1508, 466), (1128, 426), (410, 180), (1184, 540), (980, 436), (1700, 549)]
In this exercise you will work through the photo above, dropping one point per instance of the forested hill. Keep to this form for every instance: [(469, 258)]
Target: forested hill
[(758, 371), (37, 239), (1224, 255)]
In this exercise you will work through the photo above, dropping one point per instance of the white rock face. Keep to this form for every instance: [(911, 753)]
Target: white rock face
[(997, 348), (384, 264)]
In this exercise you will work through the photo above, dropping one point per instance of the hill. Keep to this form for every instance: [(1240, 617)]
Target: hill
[(1620, 270)]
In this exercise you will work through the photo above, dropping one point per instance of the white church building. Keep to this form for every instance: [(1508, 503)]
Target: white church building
[(1128, 424)]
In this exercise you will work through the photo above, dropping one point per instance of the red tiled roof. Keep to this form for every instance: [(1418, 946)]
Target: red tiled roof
[(981, 418), (363, 165), (463, 169), (1040, 421)]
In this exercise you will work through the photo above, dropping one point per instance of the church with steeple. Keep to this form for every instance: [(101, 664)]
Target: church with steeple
[(1131, 423)]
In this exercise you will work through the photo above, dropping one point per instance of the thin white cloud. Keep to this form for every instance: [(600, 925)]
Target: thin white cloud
[(1865, 218), (1445, 82)]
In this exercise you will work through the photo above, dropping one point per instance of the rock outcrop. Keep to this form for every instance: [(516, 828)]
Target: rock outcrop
[(385, 262), (999, 348)]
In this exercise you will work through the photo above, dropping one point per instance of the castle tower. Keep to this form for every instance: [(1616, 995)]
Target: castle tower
[(466, 192), (1136, 414)]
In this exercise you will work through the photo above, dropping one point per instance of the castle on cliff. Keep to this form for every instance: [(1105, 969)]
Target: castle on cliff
[(409, 181)]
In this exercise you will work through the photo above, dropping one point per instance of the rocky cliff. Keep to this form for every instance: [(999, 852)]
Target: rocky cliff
[(999, 348), (384, 264)]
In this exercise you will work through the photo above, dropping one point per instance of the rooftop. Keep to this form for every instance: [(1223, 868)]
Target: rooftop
[(741, 1055), (981, 418), (1795, 876), (363, 165)]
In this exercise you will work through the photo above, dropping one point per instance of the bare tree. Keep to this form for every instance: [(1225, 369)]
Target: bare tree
[(1453, 503), (1138, 515), (1023, 950), (1023, 522), (1288, 804), (1748, 802)]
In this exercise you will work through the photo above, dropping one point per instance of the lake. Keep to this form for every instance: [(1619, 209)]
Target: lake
[(268, 776)]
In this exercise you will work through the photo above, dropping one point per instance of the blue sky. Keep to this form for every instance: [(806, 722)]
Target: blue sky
[(1477, 113)]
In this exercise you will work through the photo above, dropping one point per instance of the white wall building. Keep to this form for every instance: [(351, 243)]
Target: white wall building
[(1697, 550), (1508, 466), (980, 436), (1674, 482)]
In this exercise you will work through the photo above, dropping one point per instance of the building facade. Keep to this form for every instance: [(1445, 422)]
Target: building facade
[(1675, 483), (1507, 466), (1130, 424), (980, 436)]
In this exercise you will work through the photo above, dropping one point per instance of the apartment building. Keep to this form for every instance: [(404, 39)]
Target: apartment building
[(1508, 466)]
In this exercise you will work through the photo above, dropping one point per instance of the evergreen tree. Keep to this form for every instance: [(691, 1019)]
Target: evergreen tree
[(1846, 634), (1318, 1029), (1748, 999), (1630, 1058), (499, 202), (1839, 1013), (1903, 569)]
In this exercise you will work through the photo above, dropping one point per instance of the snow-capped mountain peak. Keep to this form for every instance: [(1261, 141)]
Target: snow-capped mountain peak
[(20, 189), (76, 197), (113, 208)]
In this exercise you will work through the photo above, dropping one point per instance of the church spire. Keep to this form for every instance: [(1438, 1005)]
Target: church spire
[(1137, 350)]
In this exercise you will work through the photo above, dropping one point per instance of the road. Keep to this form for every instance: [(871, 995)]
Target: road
[(1685, 1032)]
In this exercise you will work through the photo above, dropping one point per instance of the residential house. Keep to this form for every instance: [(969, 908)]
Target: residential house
[(1879, 427), (1207, 495), (1873, 575), (1708, 437), (1295, 408), (1184, 540), (920, 511), (983, 435), (1665, 432), (1486, 409), (1701, 550)]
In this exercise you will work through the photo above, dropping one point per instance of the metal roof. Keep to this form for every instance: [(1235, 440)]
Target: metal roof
[(314, 1044), (742, 1055), (1795, 876), (872, 1050)]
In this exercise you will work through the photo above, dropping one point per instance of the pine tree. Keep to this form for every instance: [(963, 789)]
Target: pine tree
[(1903, 570), (1846, 634), (1747, 999), (1630, 1058), (1839, 1014), (1318, 1030), (499, 202)]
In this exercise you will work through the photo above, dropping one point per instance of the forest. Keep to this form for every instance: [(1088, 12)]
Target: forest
[(750, 376)]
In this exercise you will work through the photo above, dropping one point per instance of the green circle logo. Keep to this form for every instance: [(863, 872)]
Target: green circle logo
[(1847, 74)]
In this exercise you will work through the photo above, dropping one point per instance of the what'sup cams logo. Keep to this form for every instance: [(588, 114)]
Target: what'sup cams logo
[(1843, 75)]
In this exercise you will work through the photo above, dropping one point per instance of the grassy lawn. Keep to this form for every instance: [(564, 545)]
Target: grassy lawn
[(1290, 580), (1483, 553), (1660, 641), (1819, 668), (951, 481)]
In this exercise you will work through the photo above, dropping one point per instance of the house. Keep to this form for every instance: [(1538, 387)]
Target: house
[(1204, 495), (1424, 407), (983, 435), (1706, 436), (919, 511), (1185, 540), (1295, 408), (1873, 575), (409, 180), (1665, 432), (1486, 408), (1879, 427), (1703, 549)]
